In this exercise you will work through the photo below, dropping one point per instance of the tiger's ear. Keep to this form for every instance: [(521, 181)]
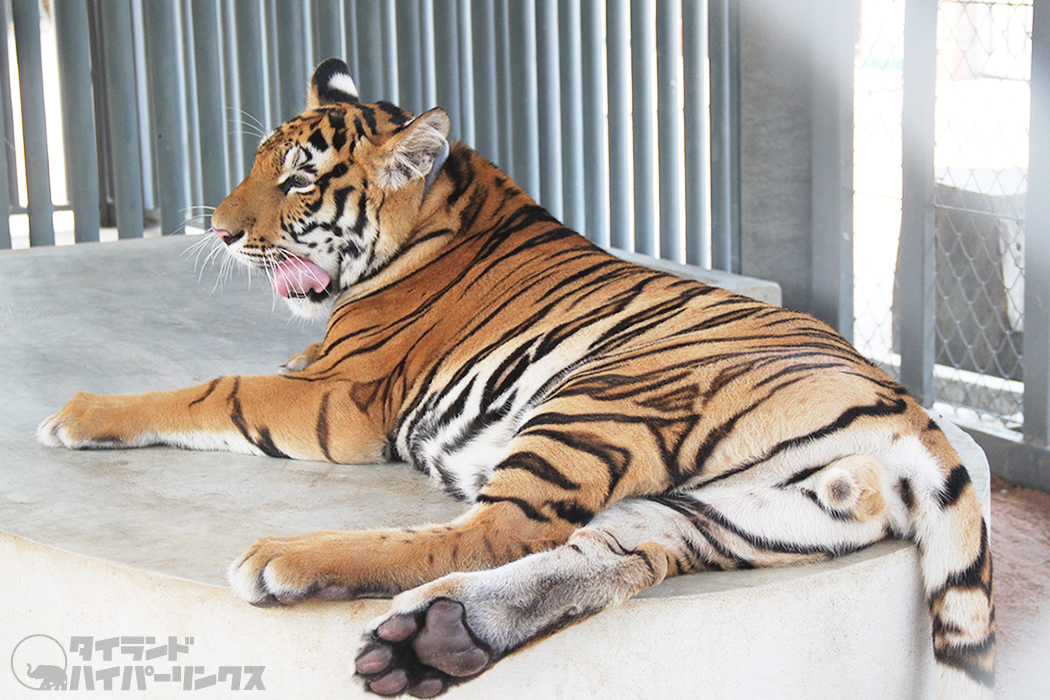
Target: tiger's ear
[(331, 84), (411, 152)]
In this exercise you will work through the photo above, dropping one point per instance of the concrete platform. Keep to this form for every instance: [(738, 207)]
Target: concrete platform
[(130, 545)]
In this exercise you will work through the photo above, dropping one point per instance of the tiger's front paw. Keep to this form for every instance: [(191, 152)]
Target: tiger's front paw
[(303, 360), (93, 421), (422, 653), (289, 570)]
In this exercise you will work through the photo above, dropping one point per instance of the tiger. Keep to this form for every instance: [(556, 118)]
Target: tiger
[(607, 425)]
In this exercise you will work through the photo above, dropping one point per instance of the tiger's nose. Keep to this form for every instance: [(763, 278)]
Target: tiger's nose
[(228, 237)]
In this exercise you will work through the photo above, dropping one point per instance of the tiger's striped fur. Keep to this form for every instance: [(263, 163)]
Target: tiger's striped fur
[(610, 425)]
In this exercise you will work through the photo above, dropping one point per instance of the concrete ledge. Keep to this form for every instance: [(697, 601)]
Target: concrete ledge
[(107, 545), (851, 628)]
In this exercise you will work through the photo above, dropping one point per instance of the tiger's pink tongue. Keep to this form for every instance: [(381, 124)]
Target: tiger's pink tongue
[(298, 276)]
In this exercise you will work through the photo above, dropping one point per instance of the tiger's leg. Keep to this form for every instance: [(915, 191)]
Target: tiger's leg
[(280, 416), (538, 493), (458, 626)]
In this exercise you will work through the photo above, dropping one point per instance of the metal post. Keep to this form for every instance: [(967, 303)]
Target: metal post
[(446, 61), (724, 47), (597, 180), (251, 78), (5, 202), (618, 23), (34, 132), (550, 151), (78, 117), (835, 30), (486, 123), (7, 116), (506, 156), (643, 48), (123, 116), (1037, 241), (388, 29), (410, 76), (571, 116), (916, 293), (669, 126), (426, 43), (292, 64), (465, 56), (328, 33), (696, 184), (524, 96), (169, 129), (366, 39), (348, 30)]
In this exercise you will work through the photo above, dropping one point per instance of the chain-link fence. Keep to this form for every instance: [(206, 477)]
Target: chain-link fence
[(980, 159)]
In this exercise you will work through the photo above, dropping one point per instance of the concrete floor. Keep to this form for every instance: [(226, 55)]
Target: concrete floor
[(1021, 547)]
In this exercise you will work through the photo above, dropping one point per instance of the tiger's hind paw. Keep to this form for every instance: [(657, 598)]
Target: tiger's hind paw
[(422, 654)]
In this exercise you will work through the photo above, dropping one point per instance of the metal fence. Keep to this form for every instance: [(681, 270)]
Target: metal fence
[(942, 152), (161, 105)]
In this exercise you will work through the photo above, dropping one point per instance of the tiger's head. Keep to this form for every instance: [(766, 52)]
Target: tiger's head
[(334, 193)]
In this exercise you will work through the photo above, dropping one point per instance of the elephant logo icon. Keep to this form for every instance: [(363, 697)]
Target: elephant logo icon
[(39, 662)]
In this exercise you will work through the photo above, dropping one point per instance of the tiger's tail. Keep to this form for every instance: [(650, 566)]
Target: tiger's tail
[(953, 540)]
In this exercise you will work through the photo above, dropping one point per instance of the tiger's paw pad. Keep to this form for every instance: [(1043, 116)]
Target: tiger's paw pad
[(422, 654)]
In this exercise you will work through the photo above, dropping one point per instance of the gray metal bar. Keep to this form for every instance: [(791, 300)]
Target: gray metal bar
[(446, 62), (593, 56), (506, 156), (696, 184), (426, 42), (327, 30), (232, 95), (143, 105), (34, 132), (724, 50), (189, 108), (573, 182), (836, 25), (292, 67), (549, 117), (618, 47), (251, 78), (669, 127), (366, 38), (5, 202), (388, 29), (465, 56), (123, 116), (349, 33), (1021, 463), (486, 124), (78, 118), (916, 253), (643, 47), (1037, 242), (7, 116), (524, 96), (410, 76), (169, 129)]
